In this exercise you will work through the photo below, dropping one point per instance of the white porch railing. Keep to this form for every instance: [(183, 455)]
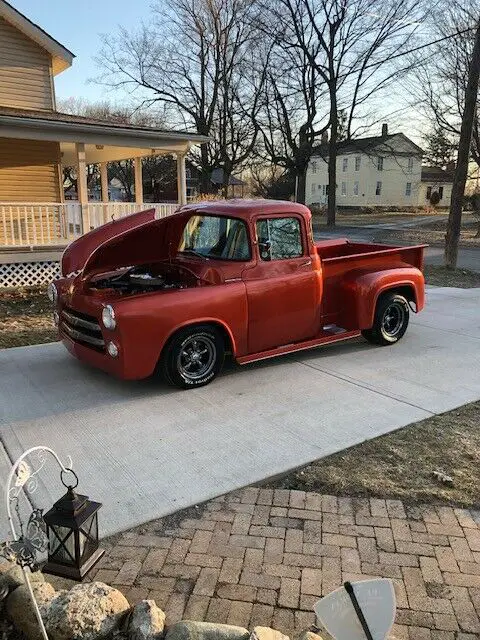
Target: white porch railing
[(50, 223)]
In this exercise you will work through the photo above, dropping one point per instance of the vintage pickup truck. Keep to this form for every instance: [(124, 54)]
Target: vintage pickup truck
[(245, 277)]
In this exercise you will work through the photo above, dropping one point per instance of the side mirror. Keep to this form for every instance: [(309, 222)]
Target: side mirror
[(264, 247)]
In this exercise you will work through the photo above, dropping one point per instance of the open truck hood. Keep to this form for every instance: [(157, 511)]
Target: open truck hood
[(77, 253), (146, 240)]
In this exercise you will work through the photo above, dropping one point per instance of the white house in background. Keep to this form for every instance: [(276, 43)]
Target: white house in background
[(435, 179), (379, 171)]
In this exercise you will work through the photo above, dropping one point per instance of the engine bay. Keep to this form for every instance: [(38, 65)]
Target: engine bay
[(145, 279)]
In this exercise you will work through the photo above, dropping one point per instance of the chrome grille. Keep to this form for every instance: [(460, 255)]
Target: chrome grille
[(82, 328)]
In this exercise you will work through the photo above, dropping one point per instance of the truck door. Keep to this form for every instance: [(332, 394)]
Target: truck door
[(282, 288)]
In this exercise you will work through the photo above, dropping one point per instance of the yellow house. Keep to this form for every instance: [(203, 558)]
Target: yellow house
[(36, 141)]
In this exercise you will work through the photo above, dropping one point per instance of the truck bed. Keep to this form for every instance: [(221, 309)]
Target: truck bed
[(341, 255)]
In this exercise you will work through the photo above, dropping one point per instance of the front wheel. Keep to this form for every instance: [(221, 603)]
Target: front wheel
[(391, 320), (193, 357)]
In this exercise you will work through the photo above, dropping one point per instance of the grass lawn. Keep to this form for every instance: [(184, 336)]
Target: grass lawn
[(432, 233), (25, 317), (359, 219), (401, 464)]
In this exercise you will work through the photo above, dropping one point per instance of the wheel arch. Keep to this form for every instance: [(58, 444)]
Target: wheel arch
[(223, 328), (369, 287), (407, 290)]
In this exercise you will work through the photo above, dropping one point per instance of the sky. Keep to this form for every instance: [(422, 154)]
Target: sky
[(78, 26)]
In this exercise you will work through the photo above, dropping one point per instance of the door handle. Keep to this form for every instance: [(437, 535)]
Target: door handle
[(307, 263)]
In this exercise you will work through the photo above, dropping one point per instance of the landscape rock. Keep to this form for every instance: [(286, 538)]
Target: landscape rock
[(190, 630), (266, 633), (88, 611), (20, 608), (11, 575), (147, 621), (309, 635)]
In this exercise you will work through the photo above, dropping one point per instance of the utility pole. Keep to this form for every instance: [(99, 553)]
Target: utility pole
[(463, 157)]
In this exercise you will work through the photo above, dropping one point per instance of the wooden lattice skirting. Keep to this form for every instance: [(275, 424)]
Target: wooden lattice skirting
[(27, 274)]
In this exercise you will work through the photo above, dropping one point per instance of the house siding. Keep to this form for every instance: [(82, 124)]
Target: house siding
[(394, 178), (26, 80), (423, 201), (29, 171)]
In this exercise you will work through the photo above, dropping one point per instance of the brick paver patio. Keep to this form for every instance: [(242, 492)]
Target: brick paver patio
[(264, 557)]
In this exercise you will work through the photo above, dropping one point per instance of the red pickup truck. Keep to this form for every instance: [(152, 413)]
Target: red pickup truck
[(243, 277)]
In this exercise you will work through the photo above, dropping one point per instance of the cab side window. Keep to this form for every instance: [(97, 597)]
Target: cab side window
[(279, 238)]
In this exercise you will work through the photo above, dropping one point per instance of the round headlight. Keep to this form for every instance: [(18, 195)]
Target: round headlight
[(52, 292), (108, 317)]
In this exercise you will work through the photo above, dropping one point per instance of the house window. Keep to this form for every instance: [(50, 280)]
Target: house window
[(344, 188), (378, 190), (355, 188), (410, 165), (357, 163), (313, 187), (279, 238), (440, 192), (429, 193), (344, 164), (408, 189), (380, 163), (314, 167)]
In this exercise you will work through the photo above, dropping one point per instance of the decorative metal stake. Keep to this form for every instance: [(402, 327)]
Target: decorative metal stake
[(22, 550)]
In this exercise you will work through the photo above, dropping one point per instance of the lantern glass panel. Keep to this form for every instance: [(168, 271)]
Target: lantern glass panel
[(88, 535), (62, 544)]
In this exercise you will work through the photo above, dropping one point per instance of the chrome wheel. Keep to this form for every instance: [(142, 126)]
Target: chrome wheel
[(393, 319), (197, 357)]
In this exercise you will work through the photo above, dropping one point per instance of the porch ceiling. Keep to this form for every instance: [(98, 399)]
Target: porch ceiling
[(103, 141), (106, 153)]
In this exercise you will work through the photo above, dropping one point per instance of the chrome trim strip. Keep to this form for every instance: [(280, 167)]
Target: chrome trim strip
[(82, 337), (80, 322)]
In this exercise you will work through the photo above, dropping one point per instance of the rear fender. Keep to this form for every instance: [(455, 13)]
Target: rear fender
[(363, 290)]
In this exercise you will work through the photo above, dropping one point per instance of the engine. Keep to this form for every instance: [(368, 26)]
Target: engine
[(139, 280)]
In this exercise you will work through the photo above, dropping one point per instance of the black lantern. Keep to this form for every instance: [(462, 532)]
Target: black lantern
[(72, 528)]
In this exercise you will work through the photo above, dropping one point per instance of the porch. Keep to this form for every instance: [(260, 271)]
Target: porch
[(30, 225), (36, 146)]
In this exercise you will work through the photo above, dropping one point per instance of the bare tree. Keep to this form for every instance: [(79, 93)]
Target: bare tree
[(191, 61), (464, 146), (449, 98), (290, 120), (347, 45)]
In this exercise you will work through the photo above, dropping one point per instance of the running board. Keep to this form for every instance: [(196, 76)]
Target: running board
[(298, 346)]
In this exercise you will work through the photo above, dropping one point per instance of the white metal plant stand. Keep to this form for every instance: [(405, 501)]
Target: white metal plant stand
[(32, 538)]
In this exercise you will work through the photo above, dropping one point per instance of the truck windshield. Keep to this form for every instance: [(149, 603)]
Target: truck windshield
[(216, 237)]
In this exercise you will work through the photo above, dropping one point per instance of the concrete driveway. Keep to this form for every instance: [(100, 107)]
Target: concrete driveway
[(146, 450)]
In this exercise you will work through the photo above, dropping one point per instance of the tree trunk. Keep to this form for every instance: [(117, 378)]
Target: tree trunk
[(460, 178), (205, 171), (301, 185), (332, 161)]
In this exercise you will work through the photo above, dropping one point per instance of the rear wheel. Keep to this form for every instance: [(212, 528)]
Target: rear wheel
[(390, 322), (193, 357)]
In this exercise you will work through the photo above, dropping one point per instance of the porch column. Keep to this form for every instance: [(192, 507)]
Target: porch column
[(82, 187), (138, 180), (104, 184), (181, 179)]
